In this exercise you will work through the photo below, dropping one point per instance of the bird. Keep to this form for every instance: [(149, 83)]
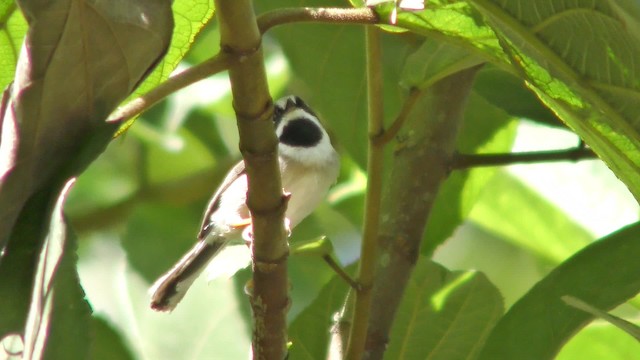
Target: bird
[(309, 165)]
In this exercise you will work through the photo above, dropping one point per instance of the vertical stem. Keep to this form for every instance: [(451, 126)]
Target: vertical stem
[(241, 40), (366, 271)]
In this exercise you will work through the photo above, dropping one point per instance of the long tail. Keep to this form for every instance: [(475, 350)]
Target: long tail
[(168, 290)]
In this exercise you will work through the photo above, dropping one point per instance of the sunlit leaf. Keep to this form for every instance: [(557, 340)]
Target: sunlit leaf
[(590, 81), (444, 314), (604, 274), (12, 30)]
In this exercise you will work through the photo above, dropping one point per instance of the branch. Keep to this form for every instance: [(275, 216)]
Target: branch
[(179, 81), (368, 254), (221, 61), (240, 39), (277, 17), (464, 161), (420, 166)]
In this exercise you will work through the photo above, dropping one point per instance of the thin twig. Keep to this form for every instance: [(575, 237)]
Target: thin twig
[(464, 161), (368, 255), (179, 81), (277, 17), (395, 127), (340, 271)]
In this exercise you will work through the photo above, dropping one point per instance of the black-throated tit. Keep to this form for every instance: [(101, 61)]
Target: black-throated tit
[(309, 165)]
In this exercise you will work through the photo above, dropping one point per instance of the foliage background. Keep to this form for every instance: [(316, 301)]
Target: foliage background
[(138, 207)]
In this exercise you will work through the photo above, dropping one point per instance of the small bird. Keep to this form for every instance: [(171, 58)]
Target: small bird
[(309, 165)]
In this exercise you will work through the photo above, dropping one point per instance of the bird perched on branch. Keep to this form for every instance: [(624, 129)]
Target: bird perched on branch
[(309, 165)]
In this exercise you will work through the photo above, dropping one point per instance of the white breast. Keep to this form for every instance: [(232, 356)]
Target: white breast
[(308, 186)]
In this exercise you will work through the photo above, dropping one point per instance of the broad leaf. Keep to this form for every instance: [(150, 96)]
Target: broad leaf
[(444, 314), (604, 274), (70, 76), (591, 81)]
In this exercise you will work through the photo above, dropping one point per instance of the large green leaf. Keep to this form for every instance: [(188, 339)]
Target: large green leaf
[(581, 59), (604, 274), (70, 77), (444, 314)]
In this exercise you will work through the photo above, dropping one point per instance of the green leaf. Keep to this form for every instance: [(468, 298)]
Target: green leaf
[(510, 93), (486, 129), (59, 318), (622, 324), (523, 217), (107, 343), (69, 79), (454, 21), (13, 27), (435, 60), (444, 314), (590, 81), (190, 16), (309, 333), (600, 341), (604, 274)]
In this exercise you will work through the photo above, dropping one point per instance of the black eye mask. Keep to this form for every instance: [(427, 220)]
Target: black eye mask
[(301, 132)]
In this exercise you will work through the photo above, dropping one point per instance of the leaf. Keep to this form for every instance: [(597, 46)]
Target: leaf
[(433, 61), (600, 341), (444, 314), (58, 322), (523, 217), (70, 77), (604, 274), (12, 30), (107, 343), (590, 81), (207, 323), (309, 333), (508, 92), (453, 21), (622, 324)]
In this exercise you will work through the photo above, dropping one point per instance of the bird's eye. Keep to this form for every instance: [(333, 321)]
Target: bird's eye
[(277, 112)]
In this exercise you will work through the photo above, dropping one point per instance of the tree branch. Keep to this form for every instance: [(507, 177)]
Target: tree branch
[(464, 161), (179, 81), (277, 17), (430, 144), (240, 39)]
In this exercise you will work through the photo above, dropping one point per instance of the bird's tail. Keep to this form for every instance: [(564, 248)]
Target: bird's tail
[(168, 290)]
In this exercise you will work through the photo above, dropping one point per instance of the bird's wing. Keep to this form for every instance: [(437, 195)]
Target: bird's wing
[(237, 171)]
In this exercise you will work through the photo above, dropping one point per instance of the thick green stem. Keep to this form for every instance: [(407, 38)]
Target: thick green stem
[(366, 271)]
